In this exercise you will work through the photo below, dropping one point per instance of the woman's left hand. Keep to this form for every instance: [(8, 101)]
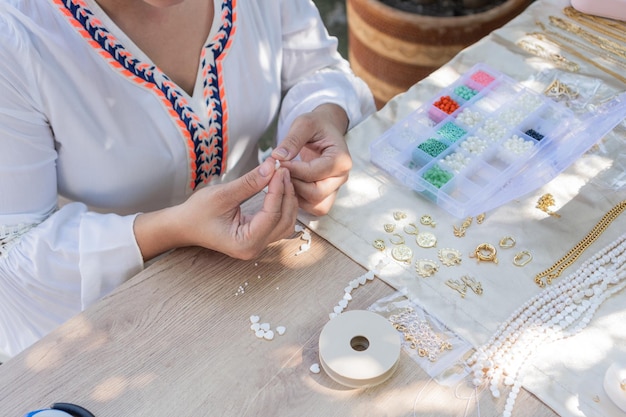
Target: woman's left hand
[(324, 161)]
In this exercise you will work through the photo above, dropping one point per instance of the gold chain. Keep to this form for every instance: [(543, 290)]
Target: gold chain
[(594, 23), (557, 59), (581, 46), (580, 56), (602, 42), (570, 257)]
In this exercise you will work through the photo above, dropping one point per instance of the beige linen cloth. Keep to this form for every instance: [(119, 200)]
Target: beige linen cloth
[(566, 375)]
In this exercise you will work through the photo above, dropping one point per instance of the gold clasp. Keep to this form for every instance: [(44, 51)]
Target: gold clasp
[(507, 242), (522, 258), (485, 252)]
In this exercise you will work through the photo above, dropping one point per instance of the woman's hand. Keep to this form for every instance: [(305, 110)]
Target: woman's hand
[(212, 217), (324, 160)]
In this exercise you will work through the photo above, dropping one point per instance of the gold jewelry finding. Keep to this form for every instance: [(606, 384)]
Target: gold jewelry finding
[(426, 268), (460, 231), (402, 253), (473, 284), (426, 240), (622, 384), (546, 201), (379, 244), (410, 229), (480, 218), (522, 258), (426, 220), (399, 241), (399, 215), (457, 286), (557, 59), (577, 54), (609, 27), (570, 257), (449, 257), (389, 227), (507, 242), (485, 252), (559, 90)]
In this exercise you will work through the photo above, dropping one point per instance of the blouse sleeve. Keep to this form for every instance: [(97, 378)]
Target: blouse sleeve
[(313, 72), (53, 262)]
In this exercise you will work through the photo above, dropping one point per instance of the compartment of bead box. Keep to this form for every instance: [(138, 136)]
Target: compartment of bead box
[(471, 139)]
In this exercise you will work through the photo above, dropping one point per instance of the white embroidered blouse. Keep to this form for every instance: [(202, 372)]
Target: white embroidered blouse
[(85, 114)]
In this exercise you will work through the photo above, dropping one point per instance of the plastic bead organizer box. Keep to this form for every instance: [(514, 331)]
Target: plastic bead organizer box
[(486, 139)]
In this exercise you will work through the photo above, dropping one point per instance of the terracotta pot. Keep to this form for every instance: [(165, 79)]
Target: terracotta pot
[(393, 49)]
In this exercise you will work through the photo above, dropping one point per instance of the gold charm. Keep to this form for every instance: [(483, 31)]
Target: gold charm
[(410, 229), (426, 220), (546, 201), (458, 232), (402, 253), (398, 241), (426, 240), (480, 218), (399, 215), (473, 284), (449, 257), (426, 268), (522, 258), (389, 227), (485, 252), (457, 286), (507, 242), (379, 244), (559, 90)]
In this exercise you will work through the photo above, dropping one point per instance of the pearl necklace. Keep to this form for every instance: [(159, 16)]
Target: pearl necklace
[(555, 313)]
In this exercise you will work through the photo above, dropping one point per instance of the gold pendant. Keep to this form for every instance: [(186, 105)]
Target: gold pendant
[(457, 286), (426, 268), (426, 220), (449, 257), (402, 253), (379, 244), (473, 284), (426, 240)]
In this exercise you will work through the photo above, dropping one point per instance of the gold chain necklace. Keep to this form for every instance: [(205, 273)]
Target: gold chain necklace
[(570, 257), (581, 46), (577, 54), (557, 59), (604, 43), (598, 24)]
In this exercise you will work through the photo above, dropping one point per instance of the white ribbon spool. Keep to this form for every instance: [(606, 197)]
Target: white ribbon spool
[(359, 348)]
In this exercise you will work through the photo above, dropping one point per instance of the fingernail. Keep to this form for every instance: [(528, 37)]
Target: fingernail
[(282, 153), (265, 169)]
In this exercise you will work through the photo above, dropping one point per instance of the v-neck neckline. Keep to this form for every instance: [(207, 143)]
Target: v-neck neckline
[(137, 53), (206, 134)]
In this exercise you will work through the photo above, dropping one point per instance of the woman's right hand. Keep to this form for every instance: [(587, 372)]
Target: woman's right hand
[(212, 217)]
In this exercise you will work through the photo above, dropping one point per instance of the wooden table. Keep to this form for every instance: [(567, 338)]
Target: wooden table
[(176, 341)]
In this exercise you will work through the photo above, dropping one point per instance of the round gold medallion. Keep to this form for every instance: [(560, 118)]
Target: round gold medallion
[(402, 253), (426, 240)]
